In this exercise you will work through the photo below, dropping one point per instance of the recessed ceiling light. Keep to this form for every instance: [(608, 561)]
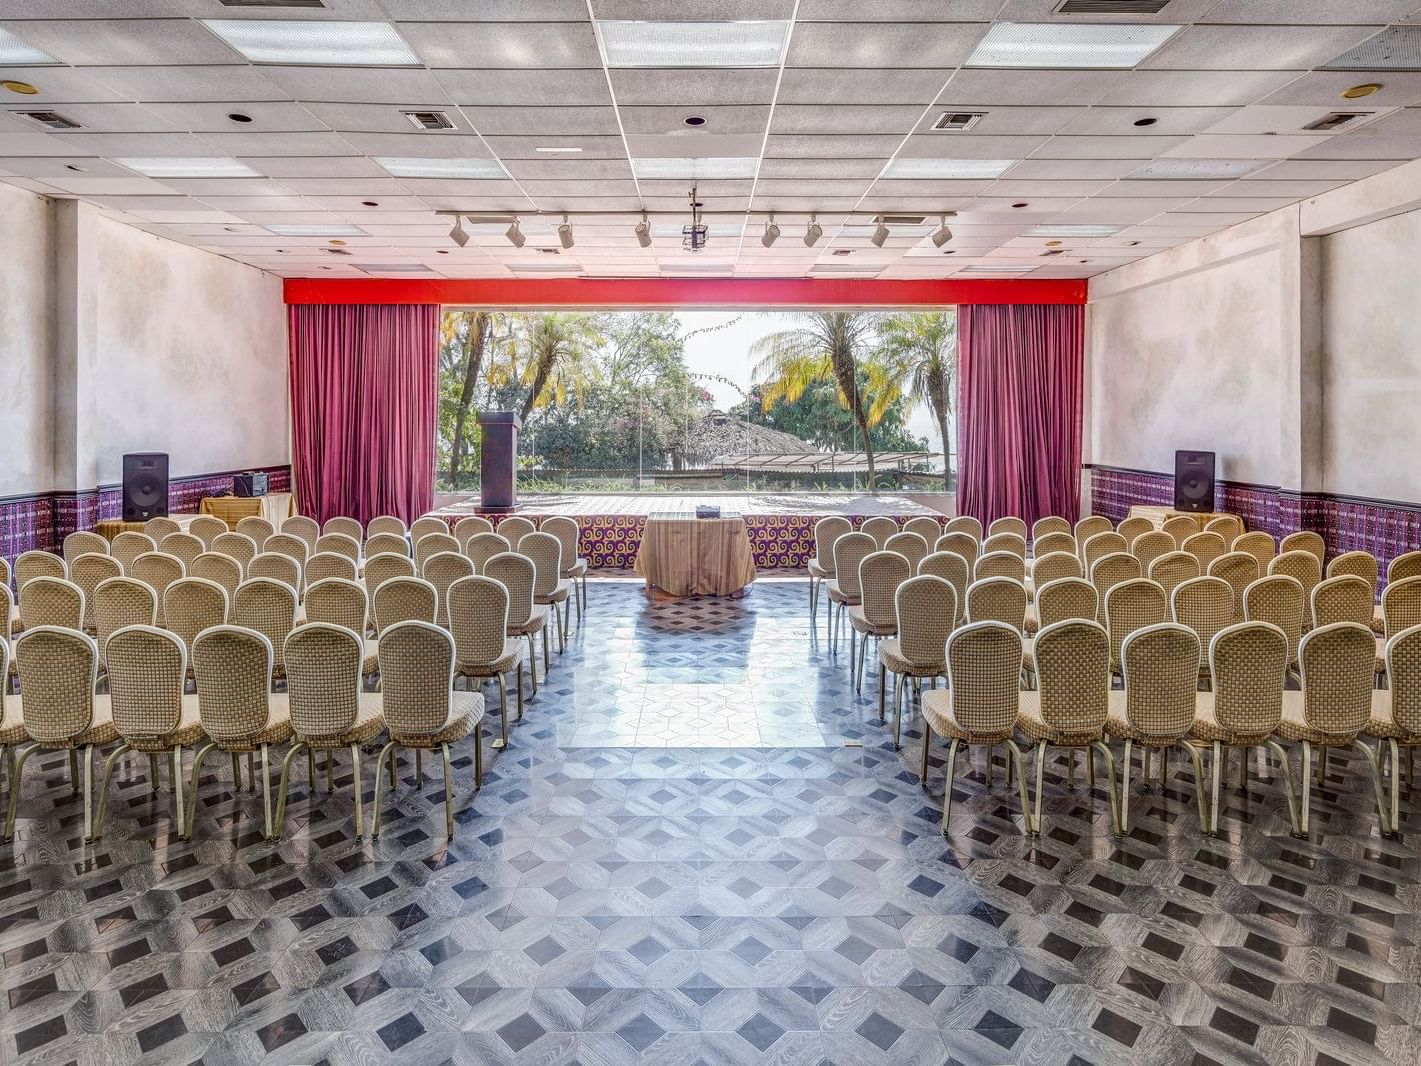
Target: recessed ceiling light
[(321, 43), (1054, 244), (1357, 92), (694, 120), (1146, 121), (696, 167), (1058, 45), (333, 240), (1170, 169), (320, 229), (407, 167), (203, 167), (16, 53), (1073, 231), (843, 251), (369, 203), (24, 88), (553, 149), (237, 116), (692, 44), (947, 168)]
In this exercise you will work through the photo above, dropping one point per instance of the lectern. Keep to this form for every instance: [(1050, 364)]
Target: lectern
[(498, 462)]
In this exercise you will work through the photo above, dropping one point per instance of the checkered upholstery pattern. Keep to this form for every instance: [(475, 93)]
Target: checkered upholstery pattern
[(469, 527), (338, 602), (269, 607), (1073, 683), (1007, 524), (1205, 605), (191, 605), (288, 544), (927, 528), (1307, 541), (381, 568), (304, 528), (1180, 527), (484, 546), (849, 552), (1005, 542), (1338, 665), (443, 569), (158, 528), (387, 544), (1227, 526), (1240, 570), (1357, 564), (1396, 710), (984, 677), (1099, 546), (343, 526), (1066, 599), (1248, 665), (546, 552), (1206, 547), (416, 686), (430, 545), (51, 601), (880, 574), (147, 668), (119, 602), (86, 572), (1090, 526), (515, 529), (276, 567), (1131, 528), (1401, 605), (1161, 669), (515, 572), (233, 668), (1299, 564), (478, 617), (83, 542), (926, 609), (909, 545), (126, 547), (1149, 546), (964, 523), (323, 668), (1054, 544), (404, 599), (257, 528), (1053, 566), (880, 528), (223, 569), (1404, 566), (826, 532), (997, 599), (1173, 569), (339, 544), (953, 569), (386, 524), (325, 565), (565, 529), (1107, 572), (1280, 601), (1000, 564), (1345, 598), (207, 528), (58, 669), (238, 546), (959, 543), (1048, 526), (1133, 605), (425, 525), (157, 571)]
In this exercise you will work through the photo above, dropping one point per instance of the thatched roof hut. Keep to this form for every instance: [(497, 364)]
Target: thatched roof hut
[(718, 434)]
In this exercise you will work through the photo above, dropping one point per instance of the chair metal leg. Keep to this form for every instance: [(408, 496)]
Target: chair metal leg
[(180, 808), (1033, 817), (1218, 765), (109, 763), (74, 777), (394, 779), (88, 791), (1125, 788), (533, 663), (236, 772), (266, 792), (897, 711), (330, 772), (1395, 786), (1070, 769), (1198, 782), (1089, 770), (947, 788), (418, 768), (1282, 755), (1104, 749), (296, 747), (311, 770), (518, 673), (1014, 755), (387, 756), (154, 778), (882, 685), (478, 756), (927, 743), (448, 793), (197, 760), (17, 768), (251, 772), (1387, 827), (547, 660), (1305, 784), (502, 711), (359, 812)]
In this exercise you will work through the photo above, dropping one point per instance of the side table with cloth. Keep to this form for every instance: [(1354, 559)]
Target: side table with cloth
[(688, 556), (1159, 515), (112, 527), (275, 507)]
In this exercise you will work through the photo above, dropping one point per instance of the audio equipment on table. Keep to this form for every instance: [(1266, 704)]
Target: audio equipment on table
[(252, 483)]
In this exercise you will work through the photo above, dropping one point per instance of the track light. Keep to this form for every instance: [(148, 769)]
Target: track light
[(565, 233), (771, 234), (813, 233), (943, 234), (457, 234), (879, 235), (515, 235), (643, 232)]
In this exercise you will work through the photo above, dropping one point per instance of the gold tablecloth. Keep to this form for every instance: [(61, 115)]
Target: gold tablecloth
[(112, 527), (1158, 515), (695, 556), (275, 507)]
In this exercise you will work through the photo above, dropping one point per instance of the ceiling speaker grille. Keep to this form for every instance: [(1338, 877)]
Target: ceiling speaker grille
[(1397, 48), (50, 120), (1111, 7)]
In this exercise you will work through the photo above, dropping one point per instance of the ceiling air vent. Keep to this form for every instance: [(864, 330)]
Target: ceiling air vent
[(50, 120), (902, 220), (1111, 7), (1336, 121), (958, 121), (429, 120), (272, 3)]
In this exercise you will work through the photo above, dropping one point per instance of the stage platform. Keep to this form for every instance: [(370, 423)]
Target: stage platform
[(780, 525)]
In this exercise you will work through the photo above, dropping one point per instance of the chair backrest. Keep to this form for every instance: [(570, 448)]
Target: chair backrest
[(1055, 565), (147, 668), (190, 605), (927, 528), (959, 543), (880, 574), (329, 564), (1206, 547), (517, 573), (568, 533), (87, 571), (277, 567), (514, 529), (1338, 667), (119, 602), (269, 607), (478, 619), (386, 544), (1130, 528), (426, 525), (232, 666), (1228, 526), (1065, 599), (926, 611), (386, 523), (32, 564), (126, 547), (484, 546), (826, 532), (207, 528), (256, 527), (58, 669), (1150, 545), (237, 546), (337, 601), (1160, 664), (1298, 563), (5, 574), (1280, 601), (287, 544), (432, 544), (1050, 524), (1090, 526), (346, 527), (964, 523), (323, 664), (1305, 540), (442, 570), (953, 569), (1073, 678), (1240, 570), (546, 552), (1005, 542), (1000, 564), (1357, 564), (223, 569), (1107, 572), (1248, 666), (1180, 527), (1408, 564), (305, 528), (984, 677), (416, 678), (1100, 545), (1173, 569), (1345, 598), (1401, 605), (1403, 672), (849, 552), (997, 599), (880, 528), (1258, 544), (1133, 605), (403, 599), (339, 543), (467, 527), (52, 601), (182, 546), (84, 542), (381, 568), (1054, 544), (909, 545), (160, 527), (1205, 605), (1007, 524)]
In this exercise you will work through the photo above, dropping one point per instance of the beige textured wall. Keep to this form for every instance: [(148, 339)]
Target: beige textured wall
[(26, 385)]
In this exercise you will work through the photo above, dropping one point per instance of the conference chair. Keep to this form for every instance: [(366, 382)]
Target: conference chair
[(1107, 572), (345, 527), (1051, 543), (1001, 564), (1149, 546), (120, 602), (432, 544), (525, 617), (1131, 606), (1408, 564), (1345, 598), (1173, 569), (514, 529), (51, 601), (997, 599), (441, 570), (1258, 544), (338, 543), (1007, 524), (1092, 525), (236, 546), (482, 547), (223, 569), (32, 564), (574, 568), (1206, 547), (404, 599), (423, 527), (1395, 720), (1100, 545), (1005, 542), (269, 607), (12, 715), (1280, 601), (126, 547), (158, 528), (1308, 541), (964, 523), (478, 612), (84, 542), (953, 569), (549, 586), (192, 604), (1301, 564), (925, 610), (468, 527), (277, 567), (1069, 598), (880, 574), (386, 524), (257, 528), (1049, 525), (880, 528), (1180, 527), (959, 543), (288, 544), (1228, 526), (86, 571), (1401, 608), (1363, 565), (1240, 570), (844, 588), (1046, 568), (386, 544), (340, 601), (207, 528), (927, 528), (381, 568), (1130, 528), (325, 565), (909, 545), (10, 611), (307, 529), (1206, 606)]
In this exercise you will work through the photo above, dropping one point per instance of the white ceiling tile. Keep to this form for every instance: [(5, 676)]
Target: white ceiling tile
[(124, 42), (971, 89), (543, 121), (1287, 190), (1366, 144), (1168, 121), (1184, 88), (1168, 189), (512, 88), (1243, 47), (1002, 121), (1106, 147), (503, 44), (1324, 88), (1073, 168), (1244, 146), (829, 86), (493, 10), (830, 147), (167, 145), (693, 88), (882, 45), (234, 84), (590, 147), (969, 146), (1327, 169), (730, 119), (349, 166), (1321, 12), (262, 142)]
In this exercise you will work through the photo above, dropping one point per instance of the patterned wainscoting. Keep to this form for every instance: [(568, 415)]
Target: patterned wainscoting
[(43, 521)]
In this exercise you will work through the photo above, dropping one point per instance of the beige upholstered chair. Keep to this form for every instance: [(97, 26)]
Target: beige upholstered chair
[(1150, 545), (1156, 708), (1205, 605), (1240, 570), (12, 717), (1308, 541), (32, 564), (468, 527), (525, 618), (1248, 662), (927, 528), (880, 528), (964, 523), (432, 544), (158, 528), (1396, 710), (1067, 599), (147, 669), (422, 527), (330, 711), (843, 588), (1228, 526), (549, 587), (158, 570), (1108, 571), (979, 705), (1068, 707), (1007, 524), (1005, 542), (223, 569), (926, 611), (574, 567), (1401, 605), (84, 542), (422, 710), (1345, 598), (484, 546), (303, 527), (386, 524), (86, 571), (238, 711), (909, 545), (1258, 544), (997, 599), (1051, 524), (269, 607), (192, 604), (345, 527), (1053, 543), (1403, 566), (514, 529), (403, 599), (1364, 565), (1000, 564), (341, 602), (1053, 566), (478, 613), (58, 670), (126, 547), (1173, 569), (182, 546), (386, 544), (277, 567), (325, 565), (381, 568), (821, 567), (880, 574), (257, 528), (1280, 601), (959, 543), (288, 544), (1338, 664), (1180, 527), (1129, 606), (11, 613), (51, 601), (119, 602), (953, 569), (339, 544), (1130, 528), (1300, 564), (207, 528), (1206, 547), (236, 546), (1090, 526), (1101, 545), (442, 570)]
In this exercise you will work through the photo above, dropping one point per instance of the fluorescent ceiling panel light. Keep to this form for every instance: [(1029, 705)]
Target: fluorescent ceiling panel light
[(1074, 231), (692, 44), (554, 148), (407, 167), (202, 167), (1057, 45), (1182, 169), (948, 168), (332, 229), (697, 268), (16, 53), (315, 43), (696, 167), (714, 229), (986, 268)]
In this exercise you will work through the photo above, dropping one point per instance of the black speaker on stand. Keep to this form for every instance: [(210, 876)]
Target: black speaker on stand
[(1194, 481), (145, 486)]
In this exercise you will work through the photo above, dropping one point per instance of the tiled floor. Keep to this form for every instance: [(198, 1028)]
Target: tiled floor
[(670, 905)]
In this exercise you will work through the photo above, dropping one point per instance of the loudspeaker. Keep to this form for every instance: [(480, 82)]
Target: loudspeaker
[(1193, 481), (145, 486), (252, 483)]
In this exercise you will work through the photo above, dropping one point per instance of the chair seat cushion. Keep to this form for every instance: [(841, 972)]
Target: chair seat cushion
[(1383, 724), (371, 663), (560, 593), (1118, 726), (890, 654), (1034, 726), (16, 626), (860, 622), (537, 622), (1378, 621), (276, 731), (510, 657), (466, 710), (838, 595), (937, 712), (101, 730), (1033, 620), (12, 722), (819, 570), (577, 569), (1206, 725), (1294, 726), (369, 721), (188, 733)]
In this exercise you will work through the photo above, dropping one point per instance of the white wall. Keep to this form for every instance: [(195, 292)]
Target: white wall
[(26, 310)]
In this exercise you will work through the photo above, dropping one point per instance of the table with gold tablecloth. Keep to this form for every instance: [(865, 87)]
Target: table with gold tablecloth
[(275, 507), (1158, 515), (112, 527), (688, 556)]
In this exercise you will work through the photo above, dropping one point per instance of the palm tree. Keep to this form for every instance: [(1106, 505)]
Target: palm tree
[(919, 349), (553, 339), (832, 346), (464, 337)]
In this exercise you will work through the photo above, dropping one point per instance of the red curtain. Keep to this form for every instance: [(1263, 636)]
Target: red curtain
[(363, 408), (1019, 413)]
